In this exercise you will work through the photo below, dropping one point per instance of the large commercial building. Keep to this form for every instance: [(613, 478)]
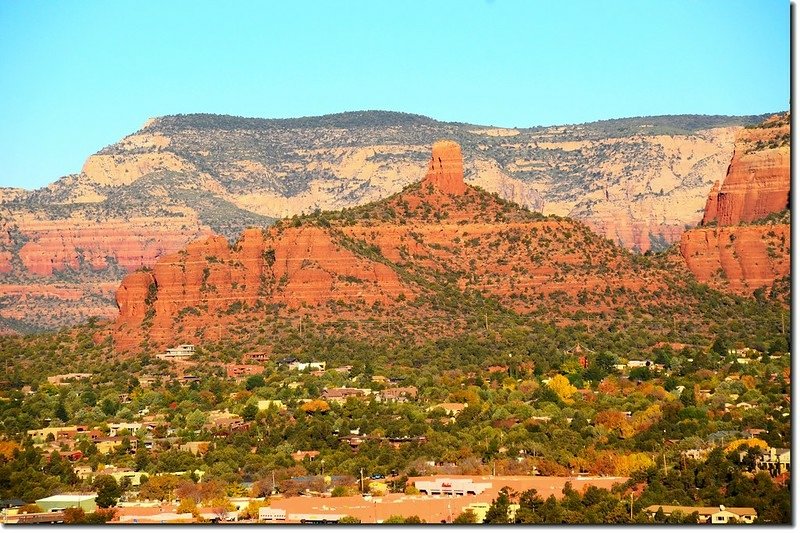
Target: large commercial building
[(59, 502), (451, 487)]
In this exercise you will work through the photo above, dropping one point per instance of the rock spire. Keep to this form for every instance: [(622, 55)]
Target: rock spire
[(446, 168)]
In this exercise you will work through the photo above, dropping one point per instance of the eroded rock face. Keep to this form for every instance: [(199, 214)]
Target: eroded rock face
[(381, 258), (303, 266), (738, 257), (446, 168), (87, 244), (758, 179), (134, 295), (181, 178)]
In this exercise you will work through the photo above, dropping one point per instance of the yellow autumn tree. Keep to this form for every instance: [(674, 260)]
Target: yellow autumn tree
[(563, 388), (7, 448), (628, 464), (315, 406), (642, 420), (751, 443)]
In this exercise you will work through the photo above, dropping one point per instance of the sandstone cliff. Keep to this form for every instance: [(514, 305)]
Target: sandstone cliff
[(738, 258), (438, 243), (638, 182), (757, 182), (749, 246)]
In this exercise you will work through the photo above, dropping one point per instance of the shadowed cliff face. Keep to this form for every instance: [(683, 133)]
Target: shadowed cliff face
[(436, 241), (738, 257)]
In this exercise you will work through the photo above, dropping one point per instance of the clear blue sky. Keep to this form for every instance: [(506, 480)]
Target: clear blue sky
[(78, 75)]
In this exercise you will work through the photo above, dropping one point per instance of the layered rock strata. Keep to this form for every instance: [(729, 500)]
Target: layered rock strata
[(744, 251)]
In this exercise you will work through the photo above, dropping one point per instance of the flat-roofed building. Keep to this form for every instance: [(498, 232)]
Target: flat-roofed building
[(243, 371), (177, 353), (41, 434), (708, 515), (59, 502), (451, 486), (270, 514), (66, 378), (115, 427)]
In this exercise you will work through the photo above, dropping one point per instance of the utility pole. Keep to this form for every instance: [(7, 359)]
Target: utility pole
[(631, 506), (361, 471), (486, 320)]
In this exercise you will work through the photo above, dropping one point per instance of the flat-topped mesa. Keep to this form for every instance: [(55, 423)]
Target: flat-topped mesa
[(446, 168)]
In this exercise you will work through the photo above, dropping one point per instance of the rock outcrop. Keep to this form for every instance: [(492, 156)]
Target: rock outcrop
[(737, 257), (85, 244), (180, 178), (404, 256), (757, 182), (446, 168)]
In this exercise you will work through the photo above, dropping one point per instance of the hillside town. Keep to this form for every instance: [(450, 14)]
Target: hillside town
[(184, 438)]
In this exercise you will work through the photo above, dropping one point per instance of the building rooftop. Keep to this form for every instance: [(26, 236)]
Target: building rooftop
[(69, 497)]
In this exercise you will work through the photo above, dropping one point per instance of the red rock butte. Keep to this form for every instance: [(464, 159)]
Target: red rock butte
[(758, 181), (446, 168)]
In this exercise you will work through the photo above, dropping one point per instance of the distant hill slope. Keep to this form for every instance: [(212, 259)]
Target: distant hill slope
[(638, 181)]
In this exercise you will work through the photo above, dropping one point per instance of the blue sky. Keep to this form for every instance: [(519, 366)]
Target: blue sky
[(76, 76)]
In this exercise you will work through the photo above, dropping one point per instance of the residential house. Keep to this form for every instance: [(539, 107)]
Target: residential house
[(299, 455), (83, 471), (115, 427), (243, 371), (263, 405), (42, 434), (708, 515), (133, 476), (694, 453), (314, 365), (109, 444), (198, 447), (224, 423), (776, 461), (259, 357), (66, 378), (179, 353), (341, 394), (146, 381), (398, 394)]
